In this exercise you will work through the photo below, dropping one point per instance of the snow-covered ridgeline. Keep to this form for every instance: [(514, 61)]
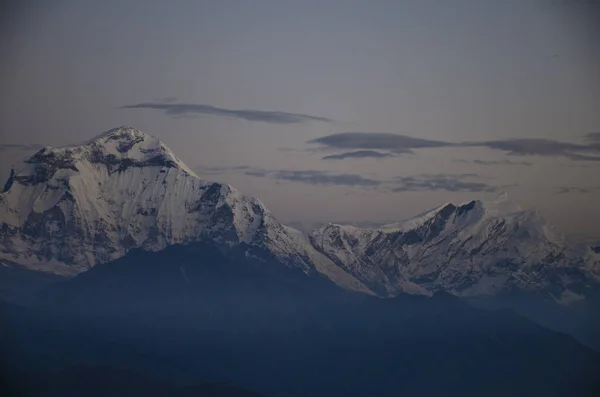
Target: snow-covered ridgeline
[(476, 248)]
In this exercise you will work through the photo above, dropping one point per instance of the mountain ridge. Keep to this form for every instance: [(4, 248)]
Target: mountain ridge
[(455, 247), (65, 210)]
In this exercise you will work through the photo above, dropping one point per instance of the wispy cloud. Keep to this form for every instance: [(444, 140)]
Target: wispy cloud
[(358, 154), (593, 137), (257, 173), (582, 157), (219, 170), (445, 182), (314, 177), (184, 109), (516, 147), (494, 162), (469, 182), (377, 140), (542, 147), (576, 189)]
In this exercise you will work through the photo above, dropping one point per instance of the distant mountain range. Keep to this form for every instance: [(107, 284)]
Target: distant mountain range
[(64, 210), (115, 254), (472, 249)]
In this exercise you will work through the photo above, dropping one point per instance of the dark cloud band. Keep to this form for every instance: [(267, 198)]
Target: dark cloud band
[(406, 144), (377, 141), (184, 109), (593, 137), (494, 162), (576, 189), (314, 177), (358, 154), (540, 147), (439, 182), (468, 182)]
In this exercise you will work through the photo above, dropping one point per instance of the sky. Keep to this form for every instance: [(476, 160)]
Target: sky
[(341, 111)]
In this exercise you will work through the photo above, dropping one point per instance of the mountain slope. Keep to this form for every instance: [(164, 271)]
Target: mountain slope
[(64, 210)]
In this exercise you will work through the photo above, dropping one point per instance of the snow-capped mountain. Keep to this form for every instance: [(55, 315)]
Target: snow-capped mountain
[(64, 210), (476, 248)]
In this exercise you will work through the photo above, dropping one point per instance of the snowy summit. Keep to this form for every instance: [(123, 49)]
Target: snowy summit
[(66, 209)]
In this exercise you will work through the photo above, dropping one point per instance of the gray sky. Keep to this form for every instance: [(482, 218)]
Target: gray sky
[(487, 95)]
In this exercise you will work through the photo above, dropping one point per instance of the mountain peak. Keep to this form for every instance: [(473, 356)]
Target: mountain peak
[(128, 143), (120, 138), (117, 149), (123, 132), (66, 209)]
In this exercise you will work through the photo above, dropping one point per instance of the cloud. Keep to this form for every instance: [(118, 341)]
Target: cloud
[(297, 150), (541, 147), (581, 157), (445, 182), (358, 154), (517, 147), (416, 183), (186, 109), (494, 162), (377, 140), (314, 177), (576, 189), (593, 137), (256, 173), (219, 170)]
